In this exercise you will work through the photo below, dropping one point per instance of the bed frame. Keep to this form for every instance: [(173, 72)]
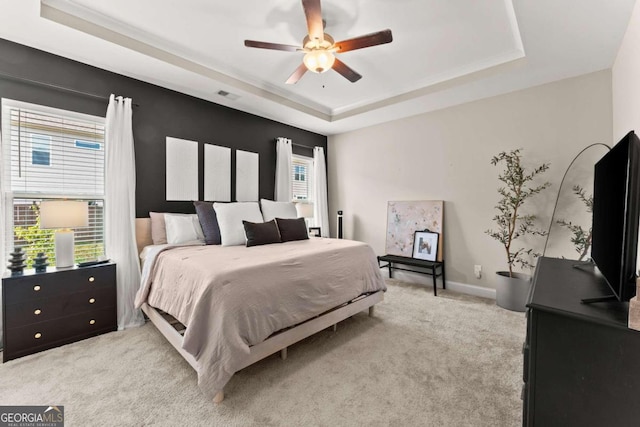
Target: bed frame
[(173, 331)]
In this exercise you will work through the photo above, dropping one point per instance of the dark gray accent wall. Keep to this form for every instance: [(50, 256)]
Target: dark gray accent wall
[(161, 113)]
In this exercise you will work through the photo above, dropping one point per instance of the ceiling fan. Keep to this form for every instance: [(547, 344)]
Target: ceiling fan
[(320, 48)]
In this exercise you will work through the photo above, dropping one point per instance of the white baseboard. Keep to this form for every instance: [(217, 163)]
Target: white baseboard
[(463, 288), (478, 291)]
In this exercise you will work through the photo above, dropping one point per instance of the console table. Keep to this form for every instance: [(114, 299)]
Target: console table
[(581, 362), (433, 268)]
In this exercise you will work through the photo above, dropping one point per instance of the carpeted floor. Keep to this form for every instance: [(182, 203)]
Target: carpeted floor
[(451, 360)]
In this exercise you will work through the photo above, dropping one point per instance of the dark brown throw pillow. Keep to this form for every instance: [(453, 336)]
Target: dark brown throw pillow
[(208, 222), (292, 229), (261, 233)]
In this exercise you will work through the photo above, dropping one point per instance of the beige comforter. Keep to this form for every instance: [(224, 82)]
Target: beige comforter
[(231, 298)]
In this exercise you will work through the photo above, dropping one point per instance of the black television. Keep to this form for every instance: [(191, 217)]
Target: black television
[(616, 214)]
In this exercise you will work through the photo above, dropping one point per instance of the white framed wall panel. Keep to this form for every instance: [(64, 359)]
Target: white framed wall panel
[(182, 169), (217, 173), (247, 177)]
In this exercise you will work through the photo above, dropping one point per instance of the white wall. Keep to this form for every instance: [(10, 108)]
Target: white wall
[(626, 80), (445, 155)]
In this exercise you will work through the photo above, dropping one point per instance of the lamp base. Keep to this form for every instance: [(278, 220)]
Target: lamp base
[(64, 248)]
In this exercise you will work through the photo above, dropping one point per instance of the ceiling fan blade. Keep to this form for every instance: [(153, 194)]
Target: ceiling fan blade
[(313, 12), (272, 46), (373, 39), (297, 74), (347, 72)]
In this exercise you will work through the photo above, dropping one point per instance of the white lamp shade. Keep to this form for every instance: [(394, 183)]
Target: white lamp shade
[(64, 214), (304, 210)]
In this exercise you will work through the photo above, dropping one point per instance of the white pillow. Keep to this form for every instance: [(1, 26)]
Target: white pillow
[(182, 228), (272, 210), (230, 216)]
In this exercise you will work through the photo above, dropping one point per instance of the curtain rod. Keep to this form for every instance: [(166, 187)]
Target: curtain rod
[(296, 145), (56, 87), (301, 146)]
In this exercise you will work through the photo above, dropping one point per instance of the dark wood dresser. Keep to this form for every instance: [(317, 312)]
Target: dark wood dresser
[(581, 362), (46, 310)]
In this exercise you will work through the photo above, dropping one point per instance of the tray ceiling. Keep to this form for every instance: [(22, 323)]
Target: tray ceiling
[(443, 52)]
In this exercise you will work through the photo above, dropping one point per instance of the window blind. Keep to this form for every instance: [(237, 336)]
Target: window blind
[(301, 178), (53, 154)]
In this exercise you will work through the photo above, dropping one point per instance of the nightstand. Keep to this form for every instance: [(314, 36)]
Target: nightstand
[(45, 310)]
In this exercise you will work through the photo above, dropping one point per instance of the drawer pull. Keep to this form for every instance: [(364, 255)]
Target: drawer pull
[(36, 288), (92, 300), (38, 335), (37, 312), (91, 279), (91, 322)]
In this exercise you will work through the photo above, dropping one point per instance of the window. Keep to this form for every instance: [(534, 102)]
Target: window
[(40, 150), (52, 154), (301, 173), (89, 145)]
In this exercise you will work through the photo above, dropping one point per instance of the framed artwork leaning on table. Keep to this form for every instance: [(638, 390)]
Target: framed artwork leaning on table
[(425, 245)]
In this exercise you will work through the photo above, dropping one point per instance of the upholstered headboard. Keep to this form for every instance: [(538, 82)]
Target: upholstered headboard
[(143, 233)]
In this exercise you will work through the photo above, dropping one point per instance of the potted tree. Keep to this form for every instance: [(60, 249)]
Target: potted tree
[(581, 237), (512, 288)]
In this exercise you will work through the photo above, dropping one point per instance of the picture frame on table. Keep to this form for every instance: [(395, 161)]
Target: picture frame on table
[(425, 245), (314, 232)]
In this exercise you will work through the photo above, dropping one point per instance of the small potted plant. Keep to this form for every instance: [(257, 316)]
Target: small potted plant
[(512, 288)]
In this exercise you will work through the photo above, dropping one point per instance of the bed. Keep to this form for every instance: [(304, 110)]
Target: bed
[(225, 308)]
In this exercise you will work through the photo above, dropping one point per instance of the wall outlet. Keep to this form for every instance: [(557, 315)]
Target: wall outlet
[(477, 270)]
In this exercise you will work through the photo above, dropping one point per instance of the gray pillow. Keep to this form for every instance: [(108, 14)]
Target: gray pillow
[(208, 222)]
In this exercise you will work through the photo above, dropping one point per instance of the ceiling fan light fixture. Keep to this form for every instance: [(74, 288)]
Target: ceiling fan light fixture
[(320, 48), (319, 60)]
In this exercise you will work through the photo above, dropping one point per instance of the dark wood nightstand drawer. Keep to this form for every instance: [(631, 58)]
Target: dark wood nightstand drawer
[(46, 310), (41, 336), (43, 310), (57, 283)]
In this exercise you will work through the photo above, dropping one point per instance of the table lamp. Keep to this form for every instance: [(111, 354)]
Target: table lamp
[(304, 210), (64, 215)]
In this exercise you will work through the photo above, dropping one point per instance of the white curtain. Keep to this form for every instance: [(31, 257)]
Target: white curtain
[(3, 207), (120, 208), (321, 206), (3, 243), (283, 191)]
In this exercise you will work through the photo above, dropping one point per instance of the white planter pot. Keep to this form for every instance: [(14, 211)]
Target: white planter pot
[(512, 292)]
